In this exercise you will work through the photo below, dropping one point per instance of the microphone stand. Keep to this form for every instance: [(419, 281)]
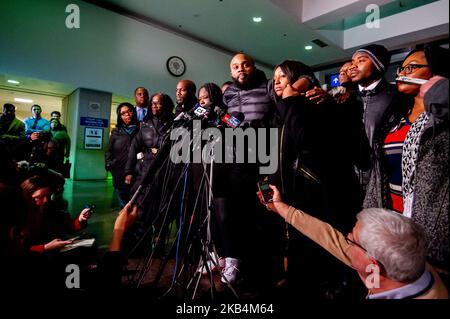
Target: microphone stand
[(209, 254)]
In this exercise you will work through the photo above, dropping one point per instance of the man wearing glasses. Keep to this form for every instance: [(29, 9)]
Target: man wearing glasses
[(387, 250)]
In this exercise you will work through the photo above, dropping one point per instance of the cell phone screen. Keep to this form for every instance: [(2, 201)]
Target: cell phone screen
[(266, 191)]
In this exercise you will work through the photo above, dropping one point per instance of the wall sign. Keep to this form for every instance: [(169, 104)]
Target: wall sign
[(93, 138), (92, 121)]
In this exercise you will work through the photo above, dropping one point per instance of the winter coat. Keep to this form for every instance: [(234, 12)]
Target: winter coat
[(117, 155), (316, 171), (146, 145), (430, 206), (255, 101)]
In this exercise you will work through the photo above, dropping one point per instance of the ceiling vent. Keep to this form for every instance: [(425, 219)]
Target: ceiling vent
[(320, 43)]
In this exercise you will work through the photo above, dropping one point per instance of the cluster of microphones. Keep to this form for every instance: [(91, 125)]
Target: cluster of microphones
[(216, 117)]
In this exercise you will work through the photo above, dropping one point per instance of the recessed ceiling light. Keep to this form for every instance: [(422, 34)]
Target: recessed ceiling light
[(13, 82), (257, 19), (18, 99), (308, 47)]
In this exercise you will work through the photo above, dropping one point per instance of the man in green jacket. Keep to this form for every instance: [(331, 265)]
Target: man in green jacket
[(12, 130)]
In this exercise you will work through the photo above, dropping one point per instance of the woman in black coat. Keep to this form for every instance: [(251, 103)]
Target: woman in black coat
[(149, 140), (119, 143), (315, 173)]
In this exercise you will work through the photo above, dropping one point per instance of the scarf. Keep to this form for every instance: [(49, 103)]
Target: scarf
[(409, 160)]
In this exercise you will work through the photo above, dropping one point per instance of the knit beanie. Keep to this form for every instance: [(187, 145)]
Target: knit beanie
[(379, 55)]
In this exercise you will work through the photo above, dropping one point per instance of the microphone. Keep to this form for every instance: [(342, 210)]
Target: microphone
[(198, 113), (201, 112), (182, 116), (233, 120)]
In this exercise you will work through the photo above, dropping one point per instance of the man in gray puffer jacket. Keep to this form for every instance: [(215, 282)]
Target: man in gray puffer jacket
[(245, 234)]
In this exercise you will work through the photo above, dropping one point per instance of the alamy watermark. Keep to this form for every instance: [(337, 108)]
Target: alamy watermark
[(73, 277), (373, 19), (373, 280), (228, 147), (73, 19)]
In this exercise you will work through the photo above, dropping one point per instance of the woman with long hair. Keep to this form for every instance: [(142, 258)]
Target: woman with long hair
[(315, 173)]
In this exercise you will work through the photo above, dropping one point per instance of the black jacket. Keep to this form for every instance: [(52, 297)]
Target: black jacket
[(117, 155), (315, 168), (148, 142), (187, 107), (376, 105)]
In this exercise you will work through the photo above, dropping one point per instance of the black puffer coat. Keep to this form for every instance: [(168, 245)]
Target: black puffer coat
[(255, 101)]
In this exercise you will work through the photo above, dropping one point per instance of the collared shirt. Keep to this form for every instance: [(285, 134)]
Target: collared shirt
[(409, 291), (41, 125), (141, 112), (370, 87)]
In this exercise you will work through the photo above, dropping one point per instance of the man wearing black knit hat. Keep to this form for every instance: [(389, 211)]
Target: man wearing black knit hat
[(369, 64)]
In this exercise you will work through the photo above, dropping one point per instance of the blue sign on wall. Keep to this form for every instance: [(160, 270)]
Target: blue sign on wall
[(94, 122), (334, 80)]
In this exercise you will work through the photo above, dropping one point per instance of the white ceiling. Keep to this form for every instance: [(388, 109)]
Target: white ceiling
[(287, 25)]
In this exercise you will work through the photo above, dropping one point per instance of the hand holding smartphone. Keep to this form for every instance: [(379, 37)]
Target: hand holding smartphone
[(266, 191)]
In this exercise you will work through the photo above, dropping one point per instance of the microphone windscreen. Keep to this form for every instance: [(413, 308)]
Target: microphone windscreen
[(238, 115)]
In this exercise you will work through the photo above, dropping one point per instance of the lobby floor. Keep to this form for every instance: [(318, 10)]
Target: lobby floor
[(101, 194), (101, 224)]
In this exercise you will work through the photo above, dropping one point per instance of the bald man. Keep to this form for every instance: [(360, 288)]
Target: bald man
[(185, 96), (245, 240), (250, 90)]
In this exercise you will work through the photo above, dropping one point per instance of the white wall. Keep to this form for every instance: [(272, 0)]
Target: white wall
[(109, 52)]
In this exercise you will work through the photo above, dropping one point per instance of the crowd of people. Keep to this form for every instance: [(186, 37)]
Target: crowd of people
[(369, 158)]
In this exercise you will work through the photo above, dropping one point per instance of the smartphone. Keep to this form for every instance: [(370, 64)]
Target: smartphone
[(266, 191), (91, 207)]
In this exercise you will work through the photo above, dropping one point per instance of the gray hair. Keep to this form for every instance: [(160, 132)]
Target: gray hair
[(395, 241)]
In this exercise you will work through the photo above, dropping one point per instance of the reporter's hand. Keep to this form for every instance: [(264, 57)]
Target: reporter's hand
[(56, 244), (277, 202), (126, 217), (128, 179), (317, 95), (85, 215)]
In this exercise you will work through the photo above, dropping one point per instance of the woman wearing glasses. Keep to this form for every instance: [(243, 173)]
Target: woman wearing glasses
[(119, 143), (411, 153)]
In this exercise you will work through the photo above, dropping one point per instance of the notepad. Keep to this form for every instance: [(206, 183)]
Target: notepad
[(79, 243)]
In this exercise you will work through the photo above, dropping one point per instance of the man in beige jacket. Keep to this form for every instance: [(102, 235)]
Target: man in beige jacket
[(387, 250)]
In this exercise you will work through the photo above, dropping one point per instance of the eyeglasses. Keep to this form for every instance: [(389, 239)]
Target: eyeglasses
[(410, 68), (126, 112), (351, 242)]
